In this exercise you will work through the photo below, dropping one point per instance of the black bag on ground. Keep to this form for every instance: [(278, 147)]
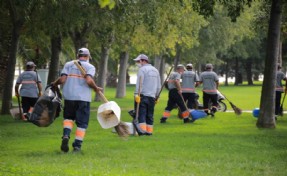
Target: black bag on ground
[(47, 108)]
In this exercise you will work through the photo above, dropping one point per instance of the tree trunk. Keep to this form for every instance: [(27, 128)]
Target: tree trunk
[(226, 73), (238, 75), (56, 47), (5, 41), (280, 53), (121, 87), (79, 37), (111, 80), (9, 79), (248, 68), (128, 76), (101, 80), (267, 102), (236, 72), (157, 61)]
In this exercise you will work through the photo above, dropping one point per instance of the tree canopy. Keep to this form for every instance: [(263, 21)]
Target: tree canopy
[(230, 34)]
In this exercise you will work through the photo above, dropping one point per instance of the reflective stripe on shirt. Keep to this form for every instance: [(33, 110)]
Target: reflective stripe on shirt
[(209, 79), (29, 88), (75, 87)]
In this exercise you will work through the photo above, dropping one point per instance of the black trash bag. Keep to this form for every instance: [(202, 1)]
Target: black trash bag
[(47, 108)]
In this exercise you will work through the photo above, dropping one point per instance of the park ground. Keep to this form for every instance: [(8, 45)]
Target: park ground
[(224, 145)]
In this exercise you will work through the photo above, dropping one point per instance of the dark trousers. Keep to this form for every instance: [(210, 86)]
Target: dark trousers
[(277, 102), (207, 98), (175, 99), (146, 110), (28, 102), (79, 111), (190, 99)]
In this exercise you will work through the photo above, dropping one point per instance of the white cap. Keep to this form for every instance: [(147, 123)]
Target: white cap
[(141, 57), (180, 66), (84, 51), (208, 66), (189, 65), (30, 63)]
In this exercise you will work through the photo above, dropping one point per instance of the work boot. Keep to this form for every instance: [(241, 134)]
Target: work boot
[(186, 120), (65, 144), (212, 113), (76, 149), (77, 146), (163, 120)]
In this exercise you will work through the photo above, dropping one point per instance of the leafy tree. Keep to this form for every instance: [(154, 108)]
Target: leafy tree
[(267, 102), (19, 12), (5, 38)]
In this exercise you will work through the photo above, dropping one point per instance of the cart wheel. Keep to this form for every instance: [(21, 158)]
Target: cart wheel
[(221, 106)]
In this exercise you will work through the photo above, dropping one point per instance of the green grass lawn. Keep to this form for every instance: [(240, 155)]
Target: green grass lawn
[(224, 145)]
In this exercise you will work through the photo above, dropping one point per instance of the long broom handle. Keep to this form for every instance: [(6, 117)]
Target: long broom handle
[(164, 82), (139, 94), (83, 72), (283, 100), (224, 96), (183, 101), (121, 127), (284, 95), (37, 83), (103, 97), (19, 106)]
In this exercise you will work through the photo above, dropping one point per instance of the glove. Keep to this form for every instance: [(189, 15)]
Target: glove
[(40, 94), (16, 94), (137, 99)]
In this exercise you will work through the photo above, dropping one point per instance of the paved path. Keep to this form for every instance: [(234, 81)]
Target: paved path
[(249, 111)]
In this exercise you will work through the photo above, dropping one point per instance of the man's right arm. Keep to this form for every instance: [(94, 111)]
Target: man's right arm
[(177, 84), (60, 80), (16, 90), (90, 81)]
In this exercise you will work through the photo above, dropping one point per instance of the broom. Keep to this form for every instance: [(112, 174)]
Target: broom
[(121, 128), (236, 110), (138, 107), (163, 84), (185, 108), (20, 108), (281, 106)]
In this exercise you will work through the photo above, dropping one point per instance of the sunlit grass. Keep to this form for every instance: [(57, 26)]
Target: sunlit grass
[(224, 145)]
